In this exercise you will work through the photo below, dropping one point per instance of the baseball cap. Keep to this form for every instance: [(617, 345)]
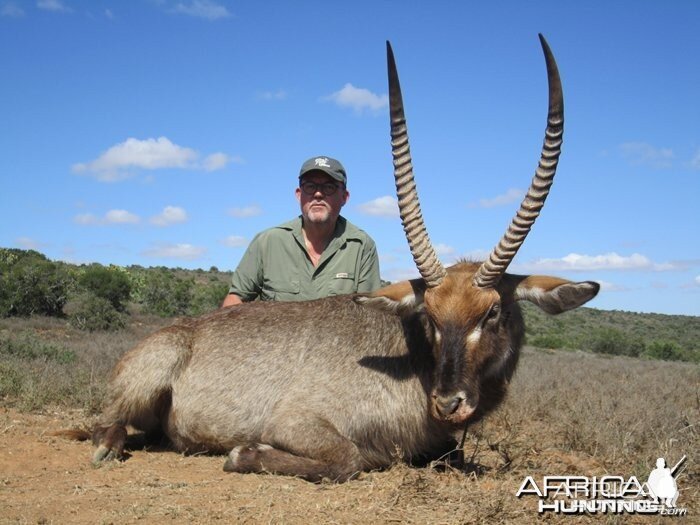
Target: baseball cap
[(327, 165)]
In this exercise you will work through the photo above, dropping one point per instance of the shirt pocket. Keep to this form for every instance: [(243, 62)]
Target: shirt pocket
[(341, 284), (280, 290)]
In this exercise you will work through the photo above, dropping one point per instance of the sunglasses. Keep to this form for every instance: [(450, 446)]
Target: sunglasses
[(327, 188)]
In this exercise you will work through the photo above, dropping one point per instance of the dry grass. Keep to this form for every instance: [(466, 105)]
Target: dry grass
[(31, 384), (616, 410)]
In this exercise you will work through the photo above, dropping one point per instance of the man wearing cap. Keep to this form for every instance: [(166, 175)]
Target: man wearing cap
[(316, 255)]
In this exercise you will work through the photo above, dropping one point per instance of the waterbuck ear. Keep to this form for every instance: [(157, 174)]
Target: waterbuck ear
[(403, 298), (554, 295)]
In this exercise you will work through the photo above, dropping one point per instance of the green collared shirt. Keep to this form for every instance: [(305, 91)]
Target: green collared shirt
[(276, 266)]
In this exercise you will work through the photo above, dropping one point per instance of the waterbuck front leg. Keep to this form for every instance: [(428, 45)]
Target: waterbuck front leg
[(299, 445), (110, 443)]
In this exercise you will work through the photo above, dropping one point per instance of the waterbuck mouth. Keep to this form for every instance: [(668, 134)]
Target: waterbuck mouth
[(454, 409)]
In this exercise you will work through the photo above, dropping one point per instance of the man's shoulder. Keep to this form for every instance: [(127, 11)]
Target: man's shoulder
[(353, 232), (281, 230), (294, 224)]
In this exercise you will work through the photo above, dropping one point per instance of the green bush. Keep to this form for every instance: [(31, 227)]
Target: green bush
[(92, 313), (208, 297), (666, 351), (30, 284), (548, 341), (112, 284), (165, 294), (614, 342)]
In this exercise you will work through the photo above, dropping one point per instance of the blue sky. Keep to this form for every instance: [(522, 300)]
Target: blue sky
[(170, 132)]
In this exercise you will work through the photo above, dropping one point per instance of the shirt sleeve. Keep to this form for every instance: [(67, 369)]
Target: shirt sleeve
[(246, 281), (369, 268)]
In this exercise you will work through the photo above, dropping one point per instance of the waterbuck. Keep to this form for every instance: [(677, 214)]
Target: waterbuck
[(332, 387)]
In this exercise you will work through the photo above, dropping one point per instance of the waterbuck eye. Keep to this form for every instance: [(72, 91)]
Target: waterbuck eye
[(492, 313)]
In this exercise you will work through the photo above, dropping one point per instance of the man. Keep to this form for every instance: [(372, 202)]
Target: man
[(315, 255)]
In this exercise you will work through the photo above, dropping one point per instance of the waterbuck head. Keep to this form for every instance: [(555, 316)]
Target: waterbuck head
[(471, 308)]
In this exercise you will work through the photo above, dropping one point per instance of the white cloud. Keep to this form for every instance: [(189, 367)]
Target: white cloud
[(86, 219), (608, 261), (175, 251), (12, 10), (235, 241), (697, 280), (53, 5), (510, 196), (111, 217), (443, 250), (280, 94), (202, 9), (401, 274), (247, 211), (149, 154), (381, 207), (121, 217), (170, 215), (216, 161), (641, 153), (358, 99)]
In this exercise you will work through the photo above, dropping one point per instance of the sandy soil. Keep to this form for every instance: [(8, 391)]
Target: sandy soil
[(46, 479)]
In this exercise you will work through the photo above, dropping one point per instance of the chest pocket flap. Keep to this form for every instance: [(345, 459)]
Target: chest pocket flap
[(342, 283)]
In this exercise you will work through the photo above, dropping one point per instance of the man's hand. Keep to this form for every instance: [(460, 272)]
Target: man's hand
[(231, 300)]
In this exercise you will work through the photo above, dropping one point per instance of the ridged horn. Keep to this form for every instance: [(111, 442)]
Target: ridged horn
[(429, 266), (491, 271)]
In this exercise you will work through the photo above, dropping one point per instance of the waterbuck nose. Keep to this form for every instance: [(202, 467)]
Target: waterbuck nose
[(447, 405)]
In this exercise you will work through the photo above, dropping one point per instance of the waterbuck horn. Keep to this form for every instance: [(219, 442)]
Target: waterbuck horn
[(429, 266), (491, 271)]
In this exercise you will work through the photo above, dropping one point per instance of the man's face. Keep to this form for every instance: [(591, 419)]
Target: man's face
[(319, 208)]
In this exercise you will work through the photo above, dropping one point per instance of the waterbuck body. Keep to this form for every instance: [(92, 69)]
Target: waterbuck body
[(329, 380), (332, 387), (329, 388)]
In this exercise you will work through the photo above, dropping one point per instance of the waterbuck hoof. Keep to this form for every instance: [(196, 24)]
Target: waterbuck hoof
[(246, 458), (104, 454), (110, 443)]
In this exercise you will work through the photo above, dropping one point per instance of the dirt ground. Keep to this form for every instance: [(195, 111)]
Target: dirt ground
[(46, 479)]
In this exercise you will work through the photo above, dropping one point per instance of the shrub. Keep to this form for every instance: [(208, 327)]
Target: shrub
[(165, 294), (665, 350), (208, 297), (615, 342), (32, 285), (92, 312), (112, 284), (137, 282)]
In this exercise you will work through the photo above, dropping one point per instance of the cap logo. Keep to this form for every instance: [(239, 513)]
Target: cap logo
[(322, 162)]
